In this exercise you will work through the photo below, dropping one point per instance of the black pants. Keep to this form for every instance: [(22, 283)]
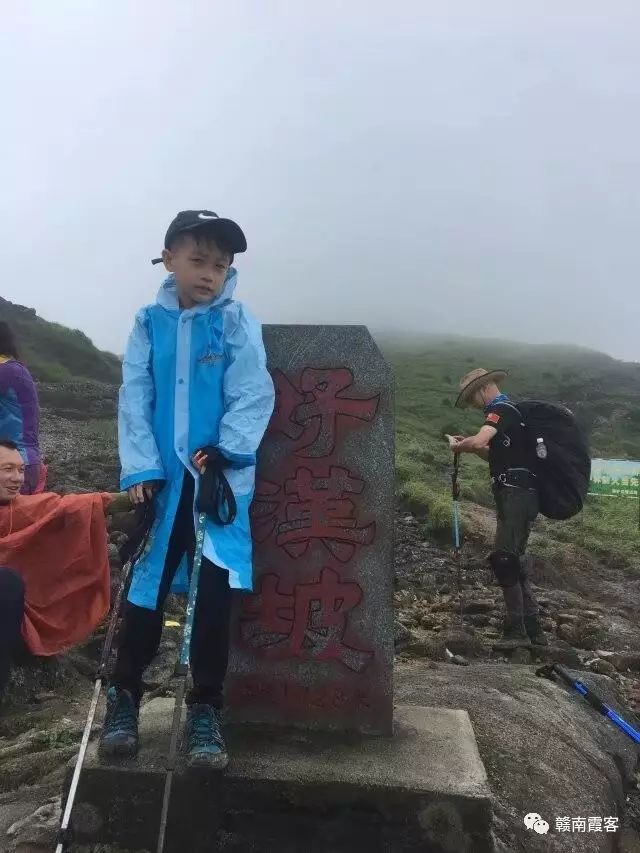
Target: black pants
[(142, 628), (517, 509), (11, 615)]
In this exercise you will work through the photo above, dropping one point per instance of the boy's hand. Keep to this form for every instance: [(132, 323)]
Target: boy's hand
[(208, 456), (142, 492), (200, 460)]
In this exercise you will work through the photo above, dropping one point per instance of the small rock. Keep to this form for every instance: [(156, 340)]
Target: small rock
[(568, 633), (479, 620), (463, 642), (480, 606), (401, 635), (627, 661), (567, 618), (38, 830), (459, 660), (39, 698), (591, 614), (601, 666), (560, 653)]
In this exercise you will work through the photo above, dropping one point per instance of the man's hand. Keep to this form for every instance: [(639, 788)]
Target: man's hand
[(142, 492), (454, 440)]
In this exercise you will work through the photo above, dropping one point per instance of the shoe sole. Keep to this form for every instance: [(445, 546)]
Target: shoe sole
[(118, 750), (209, 762)]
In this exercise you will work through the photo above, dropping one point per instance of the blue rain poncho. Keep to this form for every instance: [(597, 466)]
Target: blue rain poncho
[(191, 378)]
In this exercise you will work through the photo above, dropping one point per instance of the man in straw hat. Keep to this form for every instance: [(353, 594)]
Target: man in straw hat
[(502, 442)]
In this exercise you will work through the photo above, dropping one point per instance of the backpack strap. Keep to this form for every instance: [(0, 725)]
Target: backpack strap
[(515, 409)]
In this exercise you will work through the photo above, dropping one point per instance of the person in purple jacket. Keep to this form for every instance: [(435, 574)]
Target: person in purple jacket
[(20, 411)]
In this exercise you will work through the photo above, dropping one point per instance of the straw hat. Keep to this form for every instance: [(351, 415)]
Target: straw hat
[(474, 381)]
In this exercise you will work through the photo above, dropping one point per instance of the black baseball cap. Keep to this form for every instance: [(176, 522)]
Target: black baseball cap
[(188, 220)]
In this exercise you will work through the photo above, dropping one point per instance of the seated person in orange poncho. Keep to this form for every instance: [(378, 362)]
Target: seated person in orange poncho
[(54, 565)]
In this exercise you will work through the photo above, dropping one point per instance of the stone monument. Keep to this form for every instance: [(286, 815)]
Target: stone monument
[(313, 645), (312, 655)]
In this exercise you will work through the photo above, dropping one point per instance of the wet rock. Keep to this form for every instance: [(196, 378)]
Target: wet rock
[(463, 642), (479, 606), (538, 740), (401, 634), (568, 633), (567, 618), (625, 662), (521, 656), (601, 666), (28, 769), (38, 830), (478, 620), (561, 653)]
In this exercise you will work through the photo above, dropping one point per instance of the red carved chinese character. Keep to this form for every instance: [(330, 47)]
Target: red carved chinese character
[(321, 511), (309, 414), (264, 510), (320, 414), (309, 623), (288, 398)]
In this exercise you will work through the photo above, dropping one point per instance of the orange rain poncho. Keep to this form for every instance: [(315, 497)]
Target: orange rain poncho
[(58, 545)]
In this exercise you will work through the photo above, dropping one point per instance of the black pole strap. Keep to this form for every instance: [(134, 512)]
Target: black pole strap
[(215, 495)]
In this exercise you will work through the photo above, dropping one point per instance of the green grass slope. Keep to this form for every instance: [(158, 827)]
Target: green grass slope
[(54, 353), (603, 393)]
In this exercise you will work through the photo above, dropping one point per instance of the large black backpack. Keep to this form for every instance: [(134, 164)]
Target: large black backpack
[(563, 476)]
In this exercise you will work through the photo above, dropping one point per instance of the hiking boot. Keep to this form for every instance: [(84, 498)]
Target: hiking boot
[(514, 635), (534, 631), (120, 730), (203, 739)]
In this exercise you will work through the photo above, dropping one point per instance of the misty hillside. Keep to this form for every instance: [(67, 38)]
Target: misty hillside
[(55, 353), (603, 393)]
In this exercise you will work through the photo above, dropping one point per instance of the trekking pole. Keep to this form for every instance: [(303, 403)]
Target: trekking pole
[(592, 698), (455, 492), (181, 672), (64, 835)]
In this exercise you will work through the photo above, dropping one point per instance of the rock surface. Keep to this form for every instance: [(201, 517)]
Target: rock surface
[(544, 748)]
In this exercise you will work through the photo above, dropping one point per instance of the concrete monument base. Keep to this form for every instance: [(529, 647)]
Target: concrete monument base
[(424, 789)]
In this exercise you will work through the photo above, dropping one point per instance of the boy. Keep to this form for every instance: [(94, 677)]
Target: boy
[(194, 376)]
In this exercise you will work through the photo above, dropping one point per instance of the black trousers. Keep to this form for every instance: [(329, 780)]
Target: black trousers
[(11, 615), (516, 509), (142, 628)]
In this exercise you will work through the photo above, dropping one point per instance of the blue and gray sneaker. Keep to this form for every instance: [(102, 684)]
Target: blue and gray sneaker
[(120, 730), (203, 739)]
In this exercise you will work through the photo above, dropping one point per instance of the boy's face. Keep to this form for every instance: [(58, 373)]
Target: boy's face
[(200, 269)]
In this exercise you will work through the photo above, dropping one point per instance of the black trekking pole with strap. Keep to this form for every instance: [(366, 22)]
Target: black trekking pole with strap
[(592, 698), (131, 551), (455, 493), (214, 493)]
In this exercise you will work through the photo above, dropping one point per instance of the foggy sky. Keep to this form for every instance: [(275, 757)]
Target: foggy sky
[(423, 166)]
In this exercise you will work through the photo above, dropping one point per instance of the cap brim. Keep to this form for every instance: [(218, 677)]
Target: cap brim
[(475, 385), (229, 230)]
